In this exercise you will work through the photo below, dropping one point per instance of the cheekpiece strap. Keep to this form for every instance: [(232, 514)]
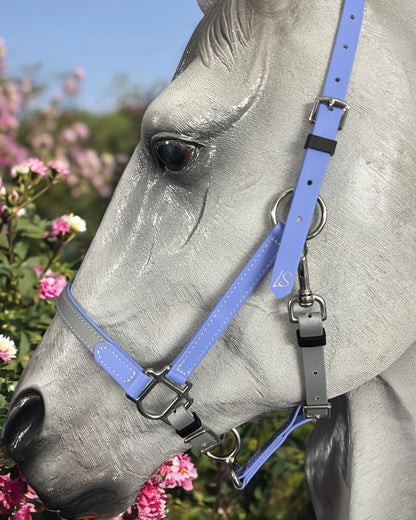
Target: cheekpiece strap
[(328, 115)]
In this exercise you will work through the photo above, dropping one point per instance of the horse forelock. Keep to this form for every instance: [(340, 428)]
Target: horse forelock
[(227, 29), (224, 31)]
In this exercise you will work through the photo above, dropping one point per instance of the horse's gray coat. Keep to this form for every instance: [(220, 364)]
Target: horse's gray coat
[(170, 244)]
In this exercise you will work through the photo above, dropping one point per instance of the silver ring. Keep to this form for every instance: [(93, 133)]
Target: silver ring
[(315, 232)]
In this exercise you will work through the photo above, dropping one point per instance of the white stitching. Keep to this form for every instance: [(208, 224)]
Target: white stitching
[(110, 367), (213, 339)]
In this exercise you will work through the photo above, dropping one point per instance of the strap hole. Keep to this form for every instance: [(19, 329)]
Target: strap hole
[(310, 182), (298, 219), (315, 372), (346, 46), (337, 80), (352, 17), (317, 398)]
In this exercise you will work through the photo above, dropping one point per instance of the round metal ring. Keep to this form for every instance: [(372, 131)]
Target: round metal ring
[(320, 226), (229, 458)]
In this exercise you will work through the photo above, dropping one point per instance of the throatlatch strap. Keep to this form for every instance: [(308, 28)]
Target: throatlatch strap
[(247, 472), (329, 113)]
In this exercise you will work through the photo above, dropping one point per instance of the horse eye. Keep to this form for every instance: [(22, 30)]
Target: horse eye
[(173, 154)]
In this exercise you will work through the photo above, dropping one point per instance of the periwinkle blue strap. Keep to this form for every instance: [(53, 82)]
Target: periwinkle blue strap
[(247, 472), (225, 310), (129, 374), (311, 175)]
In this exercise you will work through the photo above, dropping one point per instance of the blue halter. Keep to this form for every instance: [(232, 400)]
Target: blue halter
[(282, 251)]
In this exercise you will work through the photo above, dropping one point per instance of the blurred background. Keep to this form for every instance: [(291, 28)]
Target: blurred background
[(75, 80)]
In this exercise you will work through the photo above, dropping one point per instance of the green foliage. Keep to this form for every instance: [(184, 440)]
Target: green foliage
[(29, 252)]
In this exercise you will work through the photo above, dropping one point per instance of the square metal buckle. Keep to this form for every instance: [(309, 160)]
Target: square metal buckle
[(319, 411), (331, 102), (159, 378)]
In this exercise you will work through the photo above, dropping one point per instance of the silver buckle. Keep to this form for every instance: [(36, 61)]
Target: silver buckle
[(331, 102), (317, 411), (182, 395), (314, 298)]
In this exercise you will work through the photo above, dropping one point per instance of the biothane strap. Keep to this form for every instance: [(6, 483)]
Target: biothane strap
[(129, 374), (247, 472), (328, 115)]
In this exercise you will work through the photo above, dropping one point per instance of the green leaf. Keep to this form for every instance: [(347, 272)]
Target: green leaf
[(4, 241), (26, 284), (3, 401), (34, 228), (21, 249)]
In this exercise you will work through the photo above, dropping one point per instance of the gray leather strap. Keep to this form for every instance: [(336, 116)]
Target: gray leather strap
[(202, 438), (87, 334), (312, 331)]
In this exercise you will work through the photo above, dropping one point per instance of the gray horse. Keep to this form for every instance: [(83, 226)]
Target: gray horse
[(183, 222)]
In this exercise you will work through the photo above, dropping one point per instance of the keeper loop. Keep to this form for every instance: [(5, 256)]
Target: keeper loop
[(321, 143)]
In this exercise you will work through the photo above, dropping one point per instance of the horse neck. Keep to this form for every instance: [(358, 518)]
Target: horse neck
[(361, 463)]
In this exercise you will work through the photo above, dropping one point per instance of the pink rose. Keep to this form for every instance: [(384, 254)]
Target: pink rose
[(178, 471), (51, 285), (59, 226)]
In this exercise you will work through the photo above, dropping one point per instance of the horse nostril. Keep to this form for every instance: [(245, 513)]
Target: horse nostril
[(23, 424)]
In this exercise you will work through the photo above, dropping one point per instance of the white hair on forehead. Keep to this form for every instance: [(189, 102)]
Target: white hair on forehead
[(227, 28)]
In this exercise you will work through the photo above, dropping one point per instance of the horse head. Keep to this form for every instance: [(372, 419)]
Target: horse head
[(217, 146)]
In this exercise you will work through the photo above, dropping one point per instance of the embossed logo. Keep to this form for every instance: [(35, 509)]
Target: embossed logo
[(283, 280)]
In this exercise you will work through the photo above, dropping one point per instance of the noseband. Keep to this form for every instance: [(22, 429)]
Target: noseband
[(284, 252)]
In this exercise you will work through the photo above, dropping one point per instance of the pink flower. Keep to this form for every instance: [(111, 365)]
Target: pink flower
[(51, 285), (3, 52), (38, 270), (178, 471), (79, 73), (24, 513), (12, 492), (3, 192), (42, 140), (59, 226), (59, 167), (151, 502), (69, 135), (8, 351), (81, 130), (70, 87), (36, 166)]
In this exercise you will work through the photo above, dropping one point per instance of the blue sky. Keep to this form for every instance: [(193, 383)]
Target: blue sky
[(141, 39)]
